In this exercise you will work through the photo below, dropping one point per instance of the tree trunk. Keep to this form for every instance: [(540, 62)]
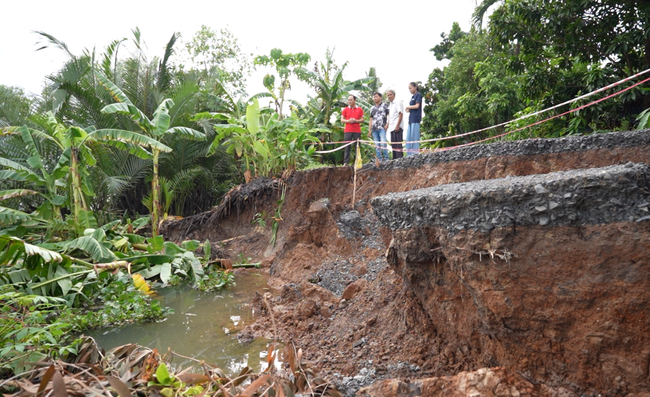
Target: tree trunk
[(74, 175), (79, 203), (155, 193)]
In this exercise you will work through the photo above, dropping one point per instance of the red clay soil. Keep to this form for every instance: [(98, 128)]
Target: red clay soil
[(567, 306), (553, 315)]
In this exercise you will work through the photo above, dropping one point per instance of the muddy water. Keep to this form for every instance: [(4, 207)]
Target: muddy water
[(203, 326)]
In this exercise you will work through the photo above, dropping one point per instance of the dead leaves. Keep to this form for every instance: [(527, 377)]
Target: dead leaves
[(131, 369)]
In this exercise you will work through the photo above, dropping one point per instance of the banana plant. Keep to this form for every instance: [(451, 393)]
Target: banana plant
[(156, 129), (68, 182), (70, 269), (293, 144), (241, 139), (49, 181), (267, 144), (331, 89)]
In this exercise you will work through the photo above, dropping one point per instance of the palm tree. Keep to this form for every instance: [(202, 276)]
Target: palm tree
[(373, 86), (331, 88), (331, 91), (77, 95), (480, 11)]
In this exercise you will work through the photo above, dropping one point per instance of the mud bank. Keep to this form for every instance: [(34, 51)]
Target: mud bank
[(545, 274), (542, 284)]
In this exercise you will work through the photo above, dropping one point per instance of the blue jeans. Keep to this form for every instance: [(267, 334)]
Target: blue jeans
[(379, 136), (413, 134)]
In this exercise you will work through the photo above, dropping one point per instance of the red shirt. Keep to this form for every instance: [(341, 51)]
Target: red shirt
[(356, 113)]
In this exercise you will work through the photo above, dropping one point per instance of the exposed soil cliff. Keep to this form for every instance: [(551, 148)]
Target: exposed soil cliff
[(544, 279)]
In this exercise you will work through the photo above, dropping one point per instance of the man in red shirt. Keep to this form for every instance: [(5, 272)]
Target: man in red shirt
[(352, 117)]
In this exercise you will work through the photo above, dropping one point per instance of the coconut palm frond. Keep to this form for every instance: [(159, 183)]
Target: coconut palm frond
[(116, 185), (480, 11), (164, 76), (109, 59), (184, 96), (47, 40)]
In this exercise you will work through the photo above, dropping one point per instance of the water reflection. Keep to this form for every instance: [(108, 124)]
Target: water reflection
[(204, 326)]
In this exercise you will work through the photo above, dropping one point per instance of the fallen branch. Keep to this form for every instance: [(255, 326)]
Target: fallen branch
[(256, 264)]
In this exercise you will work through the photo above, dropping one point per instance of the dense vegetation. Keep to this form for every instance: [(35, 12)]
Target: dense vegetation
[(535, 54), (115, 144)]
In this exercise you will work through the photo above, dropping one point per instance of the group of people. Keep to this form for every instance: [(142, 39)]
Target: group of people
[(385, 118)]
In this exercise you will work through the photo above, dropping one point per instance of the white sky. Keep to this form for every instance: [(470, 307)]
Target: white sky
[(393, 36)]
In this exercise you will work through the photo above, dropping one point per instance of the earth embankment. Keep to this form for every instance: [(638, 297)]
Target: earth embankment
[(543, 278)]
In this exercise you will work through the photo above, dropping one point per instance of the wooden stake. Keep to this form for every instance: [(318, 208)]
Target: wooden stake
[(354, 189)]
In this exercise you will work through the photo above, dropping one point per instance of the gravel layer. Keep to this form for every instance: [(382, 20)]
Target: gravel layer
[(528, 147), (359, 229), (617, 193)]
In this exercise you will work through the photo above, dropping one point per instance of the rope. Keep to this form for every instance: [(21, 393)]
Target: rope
[(347, 143), (389, 147), (540, 111), (550, 118)]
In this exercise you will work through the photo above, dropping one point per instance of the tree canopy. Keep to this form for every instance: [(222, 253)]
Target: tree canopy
[(535, 54)]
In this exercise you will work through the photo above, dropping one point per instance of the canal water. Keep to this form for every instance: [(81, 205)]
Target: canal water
[(203, 326)]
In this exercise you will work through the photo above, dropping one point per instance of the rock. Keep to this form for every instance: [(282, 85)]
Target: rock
[(320, 206), (290, 292), (540, 189), (353, 289), (305, 309)]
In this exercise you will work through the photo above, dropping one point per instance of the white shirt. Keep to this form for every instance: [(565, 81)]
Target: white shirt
[(395, 108)]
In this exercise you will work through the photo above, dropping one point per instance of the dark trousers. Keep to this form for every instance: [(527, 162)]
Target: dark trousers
[(397, 136), (350, 136)]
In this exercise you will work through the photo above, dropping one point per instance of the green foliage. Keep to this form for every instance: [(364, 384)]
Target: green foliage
[(266, 145), (260, 219), (27, 330), (537, 54), (34, 326), (588, 31), (445, 50), (118, 178), (472, 92), (116, 302), (564, 49), (40, 171), (285, 64), (15, 106), (214, 279), (73, 269), (374, 85), (643, 119), (165, 381), (217, 55), (277, 218), (51, 290), (156, 128)]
